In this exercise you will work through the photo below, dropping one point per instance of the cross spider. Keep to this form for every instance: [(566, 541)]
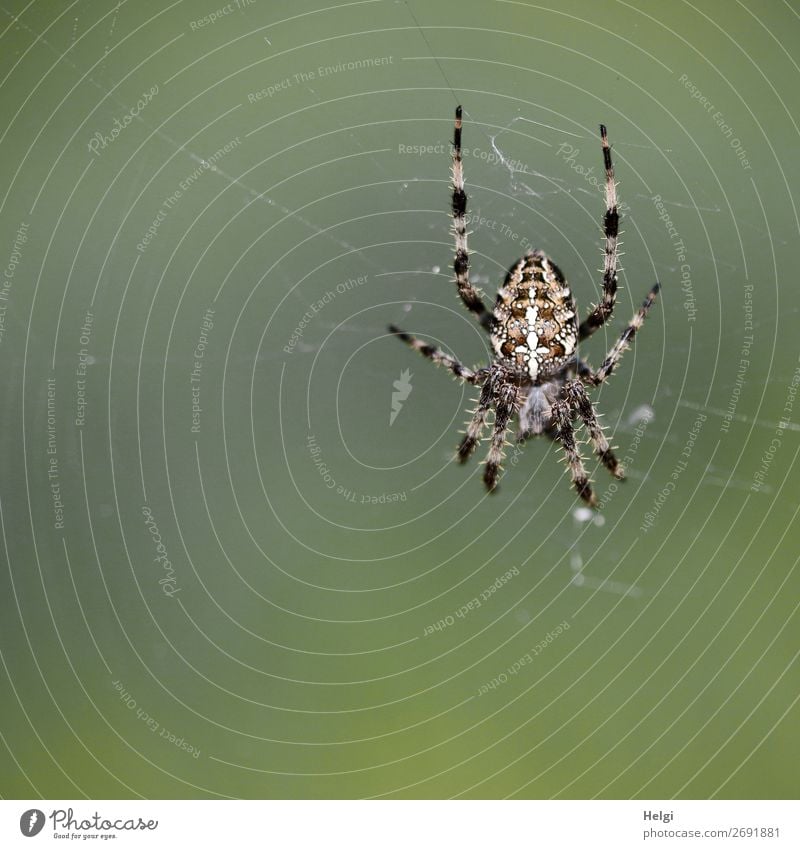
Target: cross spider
[(534, 333)]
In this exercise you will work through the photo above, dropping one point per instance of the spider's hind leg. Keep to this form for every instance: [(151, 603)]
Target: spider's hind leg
[(505, 406), (469, 295), (477, 423), (580, 401), (565, 434)]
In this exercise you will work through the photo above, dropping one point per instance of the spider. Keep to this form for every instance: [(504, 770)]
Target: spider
[(536, 371)]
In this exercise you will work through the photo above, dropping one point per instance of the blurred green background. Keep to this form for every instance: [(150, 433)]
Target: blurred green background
[(227, 569)]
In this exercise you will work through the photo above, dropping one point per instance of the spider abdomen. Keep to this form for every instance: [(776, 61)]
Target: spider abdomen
[(535, 328)]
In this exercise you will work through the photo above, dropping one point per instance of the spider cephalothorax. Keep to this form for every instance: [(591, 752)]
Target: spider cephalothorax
[(534, 333)]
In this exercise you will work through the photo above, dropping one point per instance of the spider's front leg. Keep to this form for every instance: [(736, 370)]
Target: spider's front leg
[(601, 313), (469, 295), (563, 414)]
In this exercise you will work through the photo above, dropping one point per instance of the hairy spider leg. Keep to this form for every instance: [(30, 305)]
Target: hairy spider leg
[(439, 357), (624, 341), (467, 292), (565, 434), (575, 392), (477, 423), (505, 407), (604, 309)]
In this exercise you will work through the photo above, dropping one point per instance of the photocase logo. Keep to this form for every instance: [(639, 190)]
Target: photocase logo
[(402, 389), (31, 822)]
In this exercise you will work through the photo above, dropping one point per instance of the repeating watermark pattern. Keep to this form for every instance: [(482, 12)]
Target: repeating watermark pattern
[(680, 255), (53, 476), (100, 141), (171, 201), (317, 307), (85, 359), (679, 468), (478, 221), (168, 582), (642, 417), (350, 495), (719, 119), (490, 157), (760, 476), (316, 74), (10, 272), (569, 153), (199, 354), (402, 389), (473, 604), (152, 723), (168, 204), (219, 14), (744, 360), (425, 149), (524, 660)]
